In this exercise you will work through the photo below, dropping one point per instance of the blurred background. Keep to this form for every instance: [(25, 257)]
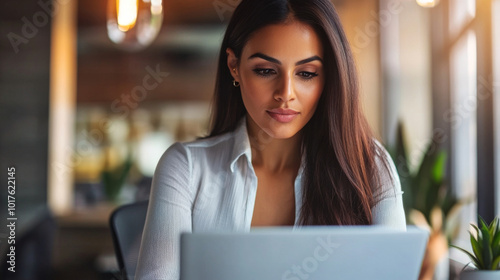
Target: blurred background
[(85, 114)]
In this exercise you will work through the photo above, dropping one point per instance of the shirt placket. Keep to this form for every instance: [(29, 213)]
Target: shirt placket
[(251, 192)]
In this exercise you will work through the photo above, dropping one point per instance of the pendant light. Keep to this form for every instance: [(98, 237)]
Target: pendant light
[(428, 3), (134, 24)]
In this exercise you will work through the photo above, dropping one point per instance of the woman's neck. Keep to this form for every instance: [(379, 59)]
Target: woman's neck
[(274, 155)]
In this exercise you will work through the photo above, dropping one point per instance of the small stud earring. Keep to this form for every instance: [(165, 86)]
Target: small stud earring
[(235, 83)]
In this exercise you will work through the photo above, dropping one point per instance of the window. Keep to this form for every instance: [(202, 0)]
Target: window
[(496, 90), (473, 118), (462, 116), (463, 122)]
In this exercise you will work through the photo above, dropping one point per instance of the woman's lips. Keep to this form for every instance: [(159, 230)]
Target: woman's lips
[(283, 115)]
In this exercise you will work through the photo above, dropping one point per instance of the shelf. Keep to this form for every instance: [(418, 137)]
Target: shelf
[(95, 216)]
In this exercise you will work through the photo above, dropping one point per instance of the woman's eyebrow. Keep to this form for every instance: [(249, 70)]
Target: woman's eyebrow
[(312, 58), (266, 57), (274, 60)]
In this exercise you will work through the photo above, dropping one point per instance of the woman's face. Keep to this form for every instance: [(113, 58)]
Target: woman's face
[(281, 77)]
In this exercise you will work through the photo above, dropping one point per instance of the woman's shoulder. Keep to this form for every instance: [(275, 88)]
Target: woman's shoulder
[(219, 144), (203, 147), (388, 174), (209, 142), (388, 209), (382, 157)]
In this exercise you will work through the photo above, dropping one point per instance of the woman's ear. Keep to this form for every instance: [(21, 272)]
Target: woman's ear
[(232, 64)]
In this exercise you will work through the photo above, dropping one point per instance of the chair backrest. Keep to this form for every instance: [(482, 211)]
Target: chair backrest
[(127, 224)]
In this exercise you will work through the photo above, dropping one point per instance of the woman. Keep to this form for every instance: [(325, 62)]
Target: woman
[(289, 144)]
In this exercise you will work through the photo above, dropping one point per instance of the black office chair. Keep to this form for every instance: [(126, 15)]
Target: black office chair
[(127, 223)]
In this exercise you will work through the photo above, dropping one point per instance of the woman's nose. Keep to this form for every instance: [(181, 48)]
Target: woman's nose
[(285, 91)]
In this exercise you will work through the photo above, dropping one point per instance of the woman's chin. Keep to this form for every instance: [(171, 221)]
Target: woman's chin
[(282, 133)]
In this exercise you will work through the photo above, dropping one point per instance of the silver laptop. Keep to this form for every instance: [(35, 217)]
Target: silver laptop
[(359, 252)]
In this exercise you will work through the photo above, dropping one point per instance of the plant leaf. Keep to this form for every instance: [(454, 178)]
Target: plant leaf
[(452, 223), (425, 186), (492, 227), (496, 236), (400, 158), (477, 230), (487, 253), (496, 264), (471, 256), (436, 219), (450, 203), (477, 249), (438, 170), (495, 245), (482, 223), (400, 144), (418, 219)]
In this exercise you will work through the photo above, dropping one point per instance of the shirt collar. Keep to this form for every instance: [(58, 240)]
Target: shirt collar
[(241, 144)]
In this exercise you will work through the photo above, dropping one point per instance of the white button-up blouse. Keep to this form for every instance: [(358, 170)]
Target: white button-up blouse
[(209, 185)]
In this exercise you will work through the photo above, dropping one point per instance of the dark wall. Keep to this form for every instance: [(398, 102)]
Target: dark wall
[(25, 27), (24, 97)]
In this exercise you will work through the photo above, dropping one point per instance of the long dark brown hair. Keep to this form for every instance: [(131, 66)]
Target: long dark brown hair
[(341, 173)]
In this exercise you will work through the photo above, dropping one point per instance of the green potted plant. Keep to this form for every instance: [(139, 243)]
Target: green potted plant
[(114, 178), (485, 255), (429, 202)]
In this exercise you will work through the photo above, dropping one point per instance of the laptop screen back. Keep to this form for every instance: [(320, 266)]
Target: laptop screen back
[(360, 252)]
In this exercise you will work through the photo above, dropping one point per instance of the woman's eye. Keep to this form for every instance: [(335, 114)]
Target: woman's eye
[(264, 72), (308, 75)]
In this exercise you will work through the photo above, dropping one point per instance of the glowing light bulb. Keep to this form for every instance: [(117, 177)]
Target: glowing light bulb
[(126, 13), (428, 3), (134, 24)]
